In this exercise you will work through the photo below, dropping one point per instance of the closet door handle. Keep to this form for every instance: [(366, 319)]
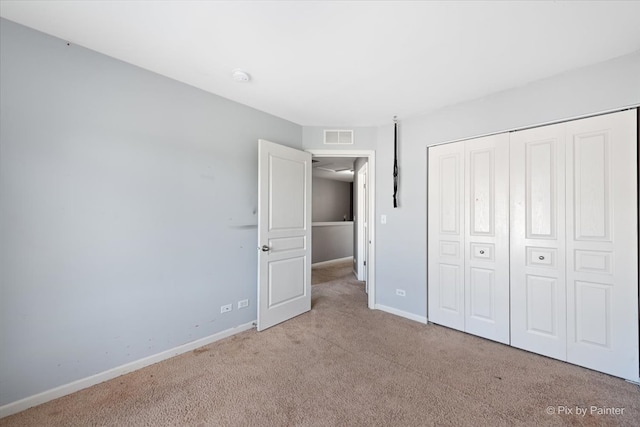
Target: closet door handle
[(481, 252), (541, 258)]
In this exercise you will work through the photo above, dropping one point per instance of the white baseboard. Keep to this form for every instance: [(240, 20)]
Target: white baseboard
[(406, 315), (63, 390), (331, 261)]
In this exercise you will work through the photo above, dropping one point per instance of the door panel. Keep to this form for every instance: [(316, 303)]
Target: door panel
[(284, 233), (538, 290), (282, 188), (591, 186), (602, 244), (482, 288), (487, 238), (541, 188), (481, 190), (446, 236), (541, 306)]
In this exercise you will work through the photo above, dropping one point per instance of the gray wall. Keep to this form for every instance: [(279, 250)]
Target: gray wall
[(401, 243), (127, 211), (128, 201), (331, 242), (331, 200)]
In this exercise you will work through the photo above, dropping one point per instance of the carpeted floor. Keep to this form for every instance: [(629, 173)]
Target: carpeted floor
[(342, 364)]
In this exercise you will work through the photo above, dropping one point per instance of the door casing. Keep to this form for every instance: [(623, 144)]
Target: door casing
[(370, 155)]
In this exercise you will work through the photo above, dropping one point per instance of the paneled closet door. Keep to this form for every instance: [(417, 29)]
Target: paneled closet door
[(538, 289), (487, 237), (446, 235), (602, 244)]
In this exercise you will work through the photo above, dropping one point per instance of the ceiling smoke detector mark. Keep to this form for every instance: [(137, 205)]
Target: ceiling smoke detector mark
[(338, 137), (241, 76)]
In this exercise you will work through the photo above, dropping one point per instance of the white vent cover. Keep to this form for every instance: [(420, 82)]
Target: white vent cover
[(338, 137)]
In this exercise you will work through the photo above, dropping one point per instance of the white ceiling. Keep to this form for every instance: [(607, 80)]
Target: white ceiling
[(320, 63), (335, 168)]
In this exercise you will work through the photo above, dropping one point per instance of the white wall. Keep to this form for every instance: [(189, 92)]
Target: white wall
[(127, 211), (401, 243)]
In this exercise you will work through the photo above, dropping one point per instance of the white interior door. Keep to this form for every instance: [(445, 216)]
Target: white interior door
[(446, 235), (538, 289), (365, 225), (363, 235), (486, 242), (602, 244), (284, 233)]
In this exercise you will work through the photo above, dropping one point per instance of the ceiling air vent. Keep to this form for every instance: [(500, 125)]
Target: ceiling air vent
[(338, 137)]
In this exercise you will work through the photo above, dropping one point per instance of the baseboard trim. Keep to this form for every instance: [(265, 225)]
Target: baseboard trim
[(331, 261), (406, 315), (63, 390)]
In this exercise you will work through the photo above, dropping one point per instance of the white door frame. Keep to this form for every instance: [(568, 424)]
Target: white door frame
[(370, 155)]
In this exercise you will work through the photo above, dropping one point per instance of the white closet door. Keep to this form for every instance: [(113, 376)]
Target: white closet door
[(602, 244), (538, 289), (446, 235), (487, 237)]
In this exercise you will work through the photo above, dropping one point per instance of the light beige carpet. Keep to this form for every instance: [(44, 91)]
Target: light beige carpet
[(342, 364)]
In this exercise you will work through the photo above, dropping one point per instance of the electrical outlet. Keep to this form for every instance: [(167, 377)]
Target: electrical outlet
[(225, 308), (244, 303), (401, 292), (383, 219)]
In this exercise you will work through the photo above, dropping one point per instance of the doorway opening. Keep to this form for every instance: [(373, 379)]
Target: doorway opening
[(343, 228)]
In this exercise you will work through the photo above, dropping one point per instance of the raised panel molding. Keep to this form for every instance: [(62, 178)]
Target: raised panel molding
[(449, 194), (482, 283), (286, 244), (449, 284), (482, 192), (291, 266), (449, 249), (592, 186), (541, 257), (281, 188), (541, 190), (482, 251), (594, 262), (593, 313), (542, 305)]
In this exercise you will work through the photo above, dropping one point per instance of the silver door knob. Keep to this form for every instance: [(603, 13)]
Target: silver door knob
[(265, 248), (481, 252), (540, 257)]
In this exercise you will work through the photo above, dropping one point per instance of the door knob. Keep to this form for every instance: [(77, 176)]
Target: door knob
[(481, 252), (540, 257), (265, 248)]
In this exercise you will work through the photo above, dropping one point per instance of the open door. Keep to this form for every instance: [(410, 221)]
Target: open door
[(363, 226), (284, 233)]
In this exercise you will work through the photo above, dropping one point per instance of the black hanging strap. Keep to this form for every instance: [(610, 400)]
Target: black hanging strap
[(395, 162)]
